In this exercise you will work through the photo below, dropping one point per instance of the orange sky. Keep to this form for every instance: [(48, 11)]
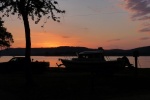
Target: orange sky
[(93, 24)]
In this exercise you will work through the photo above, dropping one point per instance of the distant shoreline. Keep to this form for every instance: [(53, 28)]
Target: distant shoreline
[(73, 55), (71, 51)]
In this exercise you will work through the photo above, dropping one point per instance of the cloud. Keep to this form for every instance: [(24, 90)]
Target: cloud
[(113, 40), (145, 18), (144, 38), (140, 10), (146, 29), (65, 37)]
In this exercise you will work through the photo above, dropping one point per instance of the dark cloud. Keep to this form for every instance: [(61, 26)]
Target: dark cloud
[(144, 38), (146, 29), (113, 40), (65, 37), (140, 10), (145, 18)]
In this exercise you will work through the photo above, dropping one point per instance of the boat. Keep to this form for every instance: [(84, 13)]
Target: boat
[(95, 61)]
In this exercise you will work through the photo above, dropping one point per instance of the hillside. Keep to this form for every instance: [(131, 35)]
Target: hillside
[(71, 51)]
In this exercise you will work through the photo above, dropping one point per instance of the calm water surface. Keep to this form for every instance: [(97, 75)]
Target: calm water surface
[(143, 61)]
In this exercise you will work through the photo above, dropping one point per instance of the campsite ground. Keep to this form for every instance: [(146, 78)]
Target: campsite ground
[(59, 84)]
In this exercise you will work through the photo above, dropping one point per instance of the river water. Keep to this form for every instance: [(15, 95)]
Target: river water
[(143, 61)]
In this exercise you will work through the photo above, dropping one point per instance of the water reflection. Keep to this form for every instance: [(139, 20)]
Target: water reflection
[(143, 61)]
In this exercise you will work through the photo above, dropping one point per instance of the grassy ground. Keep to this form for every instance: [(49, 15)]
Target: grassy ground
[(58, 85)]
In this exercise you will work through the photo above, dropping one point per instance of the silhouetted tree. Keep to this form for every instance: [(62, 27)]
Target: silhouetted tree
[(6, 38), (35, 9)]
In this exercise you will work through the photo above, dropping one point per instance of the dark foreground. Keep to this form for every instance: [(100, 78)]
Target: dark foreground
[(62, 85)]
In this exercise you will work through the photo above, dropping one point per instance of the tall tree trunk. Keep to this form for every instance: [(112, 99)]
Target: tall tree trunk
[(28, 38), (27, 64)]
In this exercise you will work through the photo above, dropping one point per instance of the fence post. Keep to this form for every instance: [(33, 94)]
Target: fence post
[(136, 55)]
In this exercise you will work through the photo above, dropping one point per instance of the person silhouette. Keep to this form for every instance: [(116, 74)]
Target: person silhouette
[(127, 62)]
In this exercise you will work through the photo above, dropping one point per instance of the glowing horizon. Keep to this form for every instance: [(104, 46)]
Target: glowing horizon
[(93, 24)]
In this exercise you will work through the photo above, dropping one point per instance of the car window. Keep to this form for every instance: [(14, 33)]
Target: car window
[(17, 59)]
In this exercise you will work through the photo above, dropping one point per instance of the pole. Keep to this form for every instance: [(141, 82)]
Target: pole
[(136, 55)]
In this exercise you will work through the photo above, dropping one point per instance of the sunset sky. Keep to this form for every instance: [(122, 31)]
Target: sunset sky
[(111, 24)]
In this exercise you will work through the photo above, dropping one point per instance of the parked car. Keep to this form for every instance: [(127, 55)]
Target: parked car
[(18, 64)]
